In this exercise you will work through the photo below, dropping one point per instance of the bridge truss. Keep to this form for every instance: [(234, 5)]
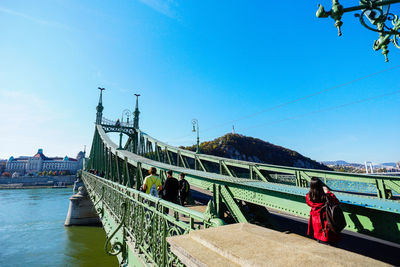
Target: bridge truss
[(124, 172)]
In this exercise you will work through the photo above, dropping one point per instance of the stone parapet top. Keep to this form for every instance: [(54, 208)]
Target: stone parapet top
[(246, 244)]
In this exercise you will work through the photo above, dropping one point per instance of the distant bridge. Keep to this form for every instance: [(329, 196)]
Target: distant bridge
[(387, 173), (137, 224)]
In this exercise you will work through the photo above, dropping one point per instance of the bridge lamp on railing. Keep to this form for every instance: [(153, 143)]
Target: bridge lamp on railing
[(127, 113), (195, 123)]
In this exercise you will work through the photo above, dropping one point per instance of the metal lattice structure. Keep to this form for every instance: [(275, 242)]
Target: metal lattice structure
[(147, 146), (142, 237), (137, 224)]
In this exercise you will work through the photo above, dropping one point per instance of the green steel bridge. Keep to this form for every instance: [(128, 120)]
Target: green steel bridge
[(138, 224)]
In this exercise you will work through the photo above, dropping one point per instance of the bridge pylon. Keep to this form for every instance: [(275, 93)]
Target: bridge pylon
[(100, 108)]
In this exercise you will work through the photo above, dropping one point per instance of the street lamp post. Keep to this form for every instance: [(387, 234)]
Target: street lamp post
[(126, 112), (196, 122)]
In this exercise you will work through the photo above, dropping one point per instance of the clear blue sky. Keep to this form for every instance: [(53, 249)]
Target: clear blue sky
[(216, 61)]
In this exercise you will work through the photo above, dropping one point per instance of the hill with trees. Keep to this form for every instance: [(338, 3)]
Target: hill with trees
[(240, 147)]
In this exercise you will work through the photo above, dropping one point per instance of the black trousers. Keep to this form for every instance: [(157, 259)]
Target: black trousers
[(182, 198), (173, 200)]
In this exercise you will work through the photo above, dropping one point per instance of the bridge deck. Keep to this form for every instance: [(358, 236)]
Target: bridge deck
[(250, 245)]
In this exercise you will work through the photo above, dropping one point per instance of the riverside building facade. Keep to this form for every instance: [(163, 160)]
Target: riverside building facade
[(39, 162)]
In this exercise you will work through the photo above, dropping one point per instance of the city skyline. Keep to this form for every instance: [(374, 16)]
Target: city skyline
[(39, 149), (326, 97)]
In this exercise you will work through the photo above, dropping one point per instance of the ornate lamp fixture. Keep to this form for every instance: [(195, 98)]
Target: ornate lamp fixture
[(126, 113), (195, 123), (374, 16)]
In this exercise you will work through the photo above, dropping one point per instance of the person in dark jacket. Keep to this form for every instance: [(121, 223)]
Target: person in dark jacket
[(170, 188), (184, 189), (316, 199)]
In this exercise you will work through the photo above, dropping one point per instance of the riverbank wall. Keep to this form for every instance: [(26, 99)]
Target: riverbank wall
[(35, 182)]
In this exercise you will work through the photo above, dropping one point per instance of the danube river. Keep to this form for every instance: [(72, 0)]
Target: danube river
[(32, 232)]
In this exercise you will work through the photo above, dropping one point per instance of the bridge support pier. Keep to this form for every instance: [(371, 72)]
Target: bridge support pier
[(81, 210)]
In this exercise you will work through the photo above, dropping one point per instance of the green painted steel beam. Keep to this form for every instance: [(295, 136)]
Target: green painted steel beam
[(232, 205), (364, 214), (391, 182), (259, 174), (201, 164)]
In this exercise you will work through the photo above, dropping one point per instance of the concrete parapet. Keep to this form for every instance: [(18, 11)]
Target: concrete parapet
[(81, 210), (250, 245)]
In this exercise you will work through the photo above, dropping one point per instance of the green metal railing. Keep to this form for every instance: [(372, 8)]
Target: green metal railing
[(235, 196), (138, 224), (156, 150)]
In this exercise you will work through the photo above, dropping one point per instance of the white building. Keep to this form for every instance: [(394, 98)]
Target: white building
[(39, 162)]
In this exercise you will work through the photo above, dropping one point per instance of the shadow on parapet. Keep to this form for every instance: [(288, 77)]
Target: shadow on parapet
[(359, 243), (383, 224)]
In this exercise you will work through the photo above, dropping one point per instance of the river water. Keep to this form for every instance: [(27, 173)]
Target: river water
[(32, 232)]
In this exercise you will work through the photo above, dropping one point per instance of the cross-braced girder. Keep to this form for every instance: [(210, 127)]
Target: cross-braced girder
[(370, 215)]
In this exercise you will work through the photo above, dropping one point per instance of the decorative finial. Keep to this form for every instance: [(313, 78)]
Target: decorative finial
[(101, 94)]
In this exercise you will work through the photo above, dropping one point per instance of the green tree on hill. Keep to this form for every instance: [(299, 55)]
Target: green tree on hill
[(246, 148)]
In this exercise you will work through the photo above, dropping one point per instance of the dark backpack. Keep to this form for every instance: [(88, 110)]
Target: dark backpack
[(185, 187), (334, 216)]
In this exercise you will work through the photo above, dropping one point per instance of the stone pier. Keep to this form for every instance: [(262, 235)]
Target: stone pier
[(81, 210)]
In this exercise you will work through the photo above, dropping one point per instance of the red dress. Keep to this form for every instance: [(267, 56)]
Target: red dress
[(314, 224)]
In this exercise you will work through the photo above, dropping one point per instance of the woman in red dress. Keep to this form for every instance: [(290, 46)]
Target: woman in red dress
[(316, 199)]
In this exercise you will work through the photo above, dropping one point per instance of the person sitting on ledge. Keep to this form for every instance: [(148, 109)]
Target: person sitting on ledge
[(316, 199)]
